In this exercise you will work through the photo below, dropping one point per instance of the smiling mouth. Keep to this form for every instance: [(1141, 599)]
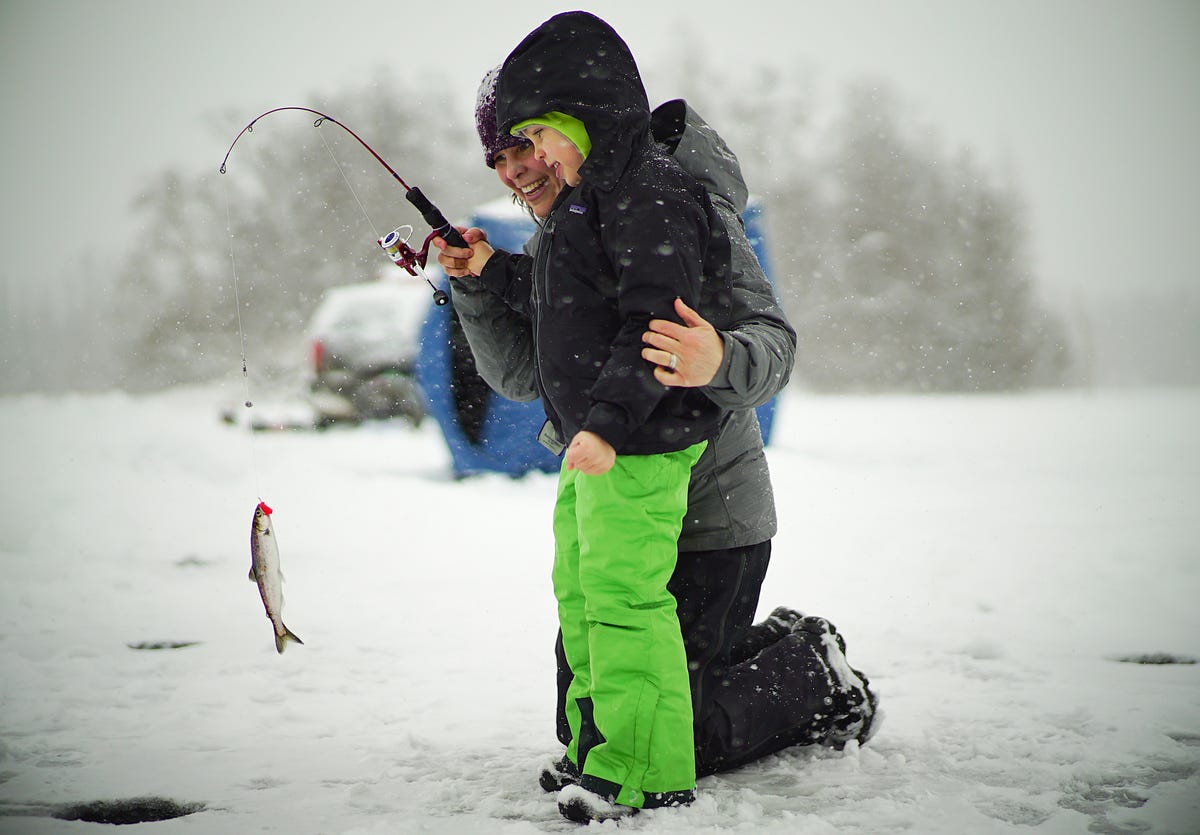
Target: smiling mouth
[(535, 186)]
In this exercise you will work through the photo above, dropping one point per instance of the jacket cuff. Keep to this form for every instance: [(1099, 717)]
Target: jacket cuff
[(495, 272), (720, 380), (467, 284), (610, 422)]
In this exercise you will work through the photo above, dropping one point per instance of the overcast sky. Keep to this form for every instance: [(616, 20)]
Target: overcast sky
[(1093, 105)]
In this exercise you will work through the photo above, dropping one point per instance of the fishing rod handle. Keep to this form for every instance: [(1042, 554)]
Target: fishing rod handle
[(434, 217)]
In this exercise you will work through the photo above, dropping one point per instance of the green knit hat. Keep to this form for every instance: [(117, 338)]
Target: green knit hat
[(568, 126)]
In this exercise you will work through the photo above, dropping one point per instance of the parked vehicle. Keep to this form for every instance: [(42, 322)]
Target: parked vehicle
[(364, 340)]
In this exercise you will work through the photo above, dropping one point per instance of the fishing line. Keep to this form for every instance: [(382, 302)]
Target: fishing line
[(241, 335), (346, 180)]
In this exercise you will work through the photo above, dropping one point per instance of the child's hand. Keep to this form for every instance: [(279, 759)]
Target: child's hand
[(458, 262), (590, 454)]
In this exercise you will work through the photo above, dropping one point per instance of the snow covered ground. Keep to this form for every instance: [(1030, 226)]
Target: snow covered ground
[(988, 559)]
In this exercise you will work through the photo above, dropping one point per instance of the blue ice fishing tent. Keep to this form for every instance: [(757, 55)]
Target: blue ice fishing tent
[(485, 432), (756, 230)]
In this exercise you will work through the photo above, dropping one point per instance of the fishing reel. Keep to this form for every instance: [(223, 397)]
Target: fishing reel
[(395, 244)]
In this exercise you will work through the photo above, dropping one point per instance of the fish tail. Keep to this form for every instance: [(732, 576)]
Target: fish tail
[(282, 639)]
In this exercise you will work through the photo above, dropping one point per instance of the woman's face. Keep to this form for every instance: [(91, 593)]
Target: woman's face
[(530, 178)]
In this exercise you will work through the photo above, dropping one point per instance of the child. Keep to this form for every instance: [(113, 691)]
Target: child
[(628, 235)]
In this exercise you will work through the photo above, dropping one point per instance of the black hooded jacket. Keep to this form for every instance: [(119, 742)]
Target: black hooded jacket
[(616, 250)]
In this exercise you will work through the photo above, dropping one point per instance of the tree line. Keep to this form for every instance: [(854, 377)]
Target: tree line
[(903, 266)]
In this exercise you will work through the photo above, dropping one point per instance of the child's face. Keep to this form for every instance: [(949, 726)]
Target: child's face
[(559, 152)]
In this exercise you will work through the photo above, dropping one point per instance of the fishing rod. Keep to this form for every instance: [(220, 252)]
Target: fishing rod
[(393, 243), (264, 569)]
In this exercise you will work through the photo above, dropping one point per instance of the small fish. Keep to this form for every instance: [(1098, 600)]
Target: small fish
[(264, 570)]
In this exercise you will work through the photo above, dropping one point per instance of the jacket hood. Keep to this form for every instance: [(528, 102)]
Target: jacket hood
[(577, 64), (700, 151)]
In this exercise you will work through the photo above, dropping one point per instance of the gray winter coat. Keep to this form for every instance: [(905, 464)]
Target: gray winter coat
[(730, 499)]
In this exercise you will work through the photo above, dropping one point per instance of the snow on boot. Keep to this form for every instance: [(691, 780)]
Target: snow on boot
[(784, 619), (558, 774), (854, 705), (575, 803)]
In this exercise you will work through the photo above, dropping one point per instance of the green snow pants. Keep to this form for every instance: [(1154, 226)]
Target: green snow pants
[(629, 705)]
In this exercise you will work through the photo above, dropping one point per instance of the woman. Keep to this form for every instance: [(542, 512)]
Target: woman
[(725, 545)]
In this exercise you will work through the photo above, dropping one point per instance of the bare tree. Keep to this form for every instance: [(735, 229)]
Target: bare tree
[(298, 211), (922, 279)]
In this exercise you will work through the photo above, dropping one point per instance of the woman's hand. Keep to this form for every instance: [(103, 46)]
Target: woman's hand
[(687, 355), (456, 261), (590, 454)]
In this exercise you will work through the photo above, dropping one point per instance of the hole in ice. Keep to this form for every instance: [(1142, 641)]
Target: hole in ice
[(162, 644), (121, 812), (1155, 658)]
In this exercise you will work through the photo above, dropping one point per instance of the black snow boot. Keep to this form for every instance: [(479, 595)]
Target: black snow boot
[(757, 637), (575, 803), (855, 706), (558, 774), (593, 799)]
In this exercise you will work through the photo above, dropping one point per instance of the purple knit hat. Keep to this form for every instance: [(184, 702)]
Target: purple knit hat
[(485, 120)]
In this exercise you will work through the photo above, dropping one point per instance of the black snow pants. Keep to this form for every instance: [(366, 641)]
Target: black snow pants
[(756, 688)]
